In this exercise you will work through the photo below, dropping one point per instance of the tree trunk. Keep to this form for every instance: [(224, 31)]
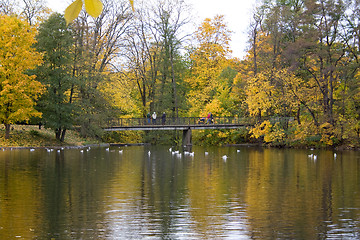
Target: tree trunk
[(7, 130), (298, 115), (58, 134), (175, 109), (62, 138)]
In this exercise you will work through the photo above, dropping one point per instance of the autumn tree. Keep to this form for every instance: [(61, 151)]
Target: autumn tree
[(208, 59), (152, 53), (169, 18), (314, 43), (18, 90), (98, 43), (55, 42)]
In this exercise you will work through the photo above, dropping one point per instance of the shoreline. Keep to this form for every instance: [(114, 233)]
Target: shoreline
[(338, 148), (58, 147)]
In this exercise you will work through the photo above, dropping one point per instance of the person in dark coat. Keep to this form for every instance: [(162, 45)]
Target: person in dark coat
[(148, 116), (163, 118)]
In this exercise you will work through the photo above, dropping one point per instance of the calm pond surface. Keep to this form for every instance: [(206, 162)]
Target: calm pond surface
[(255, 193)]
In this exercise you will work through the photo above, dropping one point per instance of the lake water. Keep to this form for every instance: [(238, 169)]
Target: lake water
[(148, 192)]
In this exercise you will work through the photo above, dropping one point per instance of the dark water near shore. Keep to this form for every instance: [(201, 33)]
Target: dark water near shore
[(254, 193)]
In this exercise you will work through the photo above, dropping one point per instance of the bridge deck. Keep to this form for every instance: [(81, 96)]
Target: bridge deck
[(174, 127), (183, 123)]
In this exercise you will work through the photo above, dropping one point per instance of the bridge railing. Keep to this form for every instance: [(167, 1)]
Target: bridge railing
[(134, 122)]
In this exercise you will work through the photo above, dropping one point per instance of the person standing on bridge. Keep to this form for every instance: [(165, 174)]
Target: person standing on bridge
[(209, 118), (148, 116), (163, 118), (154, 117)]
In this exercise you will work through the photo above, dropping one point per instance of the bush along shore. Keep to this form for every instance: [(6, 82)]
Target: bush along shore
[(26, 136), (30, 136)]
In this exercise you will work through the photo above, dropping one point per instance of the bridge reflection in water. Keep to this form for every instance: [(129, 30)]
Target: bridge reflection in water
[(186, 124)]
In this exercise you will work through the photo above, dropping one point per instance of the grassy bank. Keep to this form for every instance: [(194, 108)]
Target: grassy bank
[(32, 136)]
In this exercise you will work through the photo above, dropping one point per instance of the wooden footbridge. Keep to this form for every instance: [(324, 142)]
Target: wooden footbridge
[(186, 124)]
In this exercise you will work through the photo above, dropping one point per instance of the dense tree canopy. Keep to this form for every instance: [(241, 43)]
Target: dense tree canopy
[(54, 41), (18, 90)]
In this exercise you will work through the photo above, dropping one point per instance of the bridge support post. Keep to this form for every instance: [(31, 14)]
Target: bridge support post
[(187, 137)]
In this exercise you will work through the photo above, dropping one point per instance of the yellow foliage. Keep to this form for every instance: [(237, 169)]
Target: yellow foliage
[(215, 108), (18, 90), (258, 93), (118, 92), (327, 133), (304, 130), (271, 133), (261, 129), (277, 134), (208, 61)]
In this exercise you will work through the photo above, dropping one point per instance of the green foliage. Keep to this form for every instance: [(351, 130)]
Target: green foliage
[(218, 137), (34, 133), (55, 42), (123, 137)]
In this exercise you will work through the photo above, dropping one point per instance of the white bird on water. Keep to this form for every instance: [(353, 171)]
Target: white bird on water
[(149, 153), (238, 150), (224, 157), (312, 156), (120, 151)]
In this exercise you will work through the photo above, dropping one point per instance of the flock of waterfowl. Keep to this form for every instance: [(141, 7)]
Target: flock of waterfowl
[(175, 153)]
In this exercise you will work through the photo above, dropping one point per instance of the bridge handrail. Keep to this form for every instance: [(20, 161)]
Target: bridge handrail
[(134, 122)]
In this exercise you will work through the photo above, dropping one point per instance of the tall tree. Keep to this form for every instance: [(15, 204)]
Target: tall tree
[(208, 60), (18, 90), (152, 53), (170, 17), (55, 42), (98, 44)]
